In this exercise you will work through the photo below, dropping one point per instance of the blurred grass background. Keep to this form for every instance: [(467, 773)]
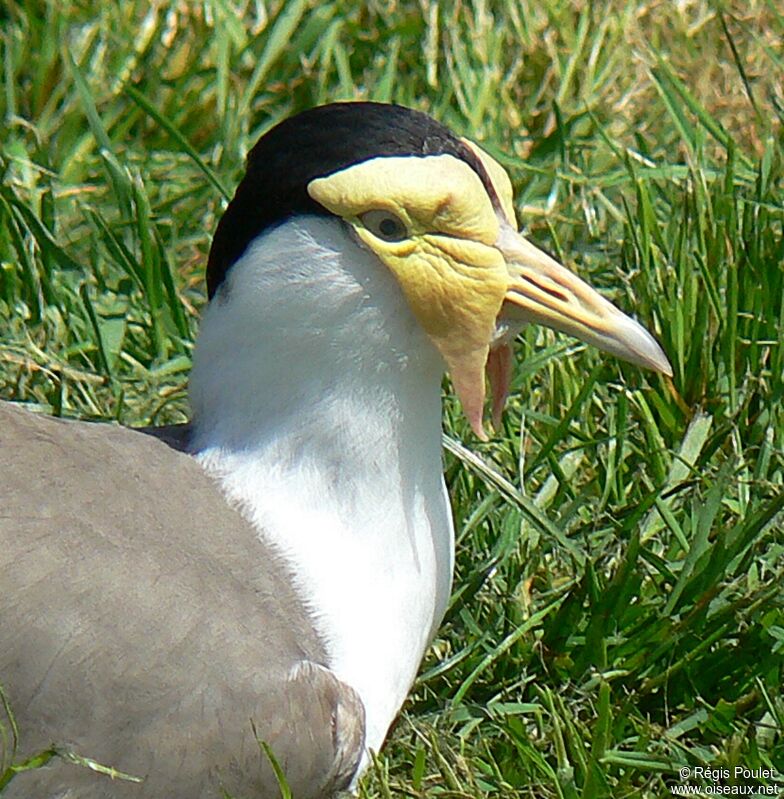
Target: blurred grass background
[(619, 601)]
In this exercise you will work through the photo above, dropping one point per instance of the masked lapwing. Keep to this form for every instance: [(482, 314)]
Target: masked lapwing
[(274, 570)]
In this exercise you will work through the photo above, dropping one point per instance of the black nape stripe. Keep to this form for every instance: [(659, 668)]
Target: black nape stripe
[(314, 144)]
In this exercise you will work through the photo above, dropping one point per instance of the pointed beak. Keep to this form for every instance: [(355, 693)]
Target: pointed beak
[(542, 291)]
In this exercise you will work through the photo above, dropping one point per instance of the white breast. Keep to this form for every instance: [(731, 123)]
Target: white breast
[(323, 423)]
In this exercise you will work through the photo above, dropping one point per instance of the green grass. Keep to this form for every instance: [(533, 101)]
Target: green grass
[(619, 602)]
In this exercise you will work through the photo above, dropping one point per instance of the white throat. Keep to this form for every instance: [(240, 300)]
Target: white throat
[(316, 401)]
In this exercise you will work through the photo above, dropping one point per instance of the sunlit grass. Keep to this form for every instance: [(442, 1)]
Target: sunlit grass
[(618, 608)]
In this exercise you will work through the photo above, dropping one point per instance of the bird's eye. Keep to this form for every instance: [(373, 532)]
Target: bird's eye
[(384, 225)]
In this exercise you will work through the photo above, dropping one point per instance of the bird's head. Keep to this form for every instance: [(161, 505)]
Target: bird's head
[(438, 213)]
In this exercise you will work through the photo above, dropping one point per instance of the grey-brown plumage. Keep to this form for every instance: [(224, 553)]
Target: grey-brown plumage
[(151, 633)]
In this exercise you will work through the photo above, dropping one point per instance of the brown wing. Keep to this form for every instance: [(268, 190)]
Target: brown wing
[(143, 624)]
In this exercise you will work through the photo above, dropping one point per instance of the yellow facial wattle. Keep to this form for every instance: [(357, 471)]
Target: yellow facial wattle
[(445, 261)]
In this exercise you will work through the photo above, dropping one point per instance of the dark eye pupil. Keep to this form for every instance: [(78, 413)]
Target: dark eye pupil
[(384, 224), (389, 227)]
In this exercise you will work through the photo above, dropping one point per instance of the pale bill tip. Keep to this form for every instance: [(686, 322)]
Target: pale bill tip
[(638, 346)]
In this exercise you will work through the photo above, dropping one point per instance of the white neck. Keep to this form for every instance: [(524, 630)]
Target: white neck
[(316, 401)]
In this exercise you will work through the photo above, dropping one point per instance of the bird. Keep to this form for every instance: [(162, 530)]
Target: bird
[(199, 609)]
